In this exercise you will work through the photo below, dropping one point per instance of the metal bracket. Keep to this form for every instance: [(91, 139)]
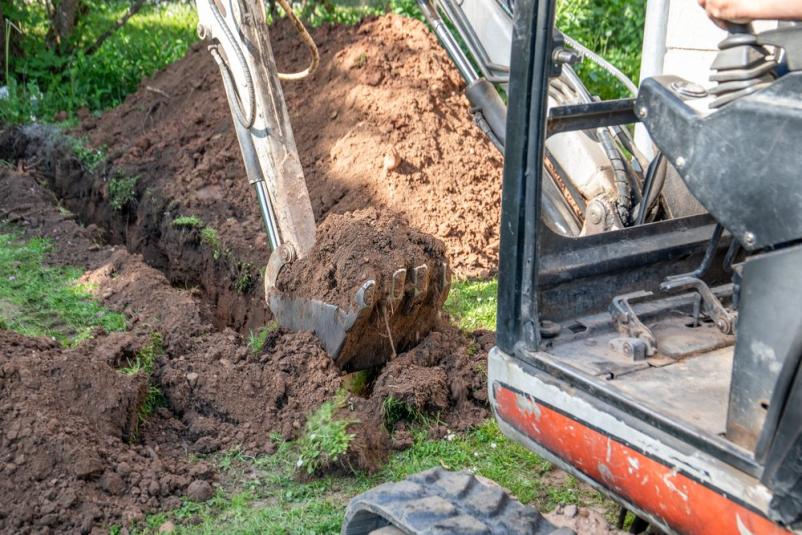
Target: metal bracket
[(638, 337), (712, 307)]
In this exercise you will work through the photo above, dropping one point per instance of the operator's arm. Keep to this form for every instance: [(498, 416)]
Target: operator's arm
[(748, 10)]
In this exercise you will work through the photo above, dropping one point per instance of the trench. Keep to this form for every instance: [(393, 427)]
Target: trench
[(226, 279)]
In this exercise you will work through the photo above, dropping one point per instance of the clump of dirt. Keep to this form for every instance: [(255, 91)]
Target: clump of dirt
[(362, 246)]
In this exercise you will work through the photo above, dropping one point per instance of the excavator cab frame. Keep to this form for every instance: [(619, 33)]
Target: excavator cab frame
[(656, 363)]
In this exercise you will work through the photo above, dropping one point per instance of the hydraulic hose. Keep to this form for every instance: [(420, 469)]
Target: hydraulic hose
[(603, 63)]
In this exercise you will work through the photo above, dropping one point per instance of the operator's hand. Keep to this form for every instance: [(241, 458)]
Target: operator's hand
[(743, 11)]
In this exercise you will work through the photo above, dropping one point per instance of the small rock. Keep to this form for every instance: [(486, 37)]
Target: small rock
[(199, 491), (132, 515), (123, 469), (154, 489), (192, 379), (167, 527), (570, 511), (112, 483), (87, 467)]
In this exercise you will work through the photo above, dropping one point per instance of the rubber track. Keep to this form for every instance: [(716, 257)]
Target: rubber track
[(440, 502)]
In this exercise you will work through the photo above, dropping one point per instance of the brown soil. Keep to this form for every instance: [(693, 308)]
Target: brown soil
[(71, 451)]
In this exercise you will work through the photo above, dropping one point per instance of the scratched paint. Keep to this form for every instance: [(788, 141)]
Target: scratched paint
[(665, 492)]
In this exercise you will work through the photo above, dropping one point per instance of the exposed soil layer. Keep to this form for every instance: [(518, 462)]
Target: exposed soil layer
[(72, 451), (381, 124)]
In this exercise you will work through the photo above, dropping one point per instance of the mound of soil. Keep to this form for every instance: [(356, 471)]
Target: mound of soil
[(385, 93)]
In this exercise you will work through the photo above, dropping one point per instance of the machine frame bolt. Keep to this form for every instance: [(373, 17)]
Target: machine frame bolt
[(749, 239), (681, 162)]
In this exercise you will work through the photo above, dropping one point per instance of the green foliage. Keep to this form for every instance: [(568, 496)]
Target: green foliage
[(89, 157), (188, 221), (42, 83), (612, 29), (40, 300), (211, 238), (326, 438), (122, 190), (256, 340), (472, 304)]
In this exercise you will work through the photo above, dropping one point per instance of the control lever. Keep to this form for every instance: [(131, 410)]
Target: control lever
[(638, 341), (712, 307)]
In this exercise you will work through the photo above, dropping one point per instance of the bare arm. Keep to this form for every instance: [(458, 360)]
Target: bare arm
[(748, 10)]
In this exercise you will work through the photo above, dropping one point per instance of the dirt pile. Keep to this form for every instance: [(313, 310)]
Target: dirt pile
[(385, 93)]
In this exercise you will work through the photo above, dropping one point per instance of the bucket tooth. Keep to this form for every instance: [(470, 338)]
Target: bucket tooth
[(397, 284), (420, 280)]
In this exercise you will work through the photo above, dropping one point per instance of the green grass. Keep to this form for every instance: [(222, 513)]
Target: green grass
[(256, 340), (472, 304), (144, 363), (89, 157), (188, 221), (326, 438), (43, 83), (211, 238), (40, 300), (262, 495)]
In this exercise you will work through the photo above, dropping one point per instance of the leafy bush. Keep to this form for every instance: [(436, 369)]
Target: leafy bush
[(122, 190), (46, 84), (612, 29)]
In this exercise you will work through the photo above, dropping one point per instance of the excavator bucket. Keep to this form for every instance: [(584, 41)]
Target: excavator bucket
[(378, 309), (362, 315)]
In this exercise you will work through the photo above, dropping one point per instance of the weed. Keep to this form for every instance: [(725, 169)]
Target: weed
[(40, 300), (122, 190), (395, 410), (472, 304), (245, 279), (256, 340), (326, 438), (90, 158), (357, 382), (188, 221), (211, 238)]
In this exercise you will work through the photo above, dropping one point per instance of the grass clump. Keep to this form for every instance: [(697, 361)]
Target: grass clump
[(395, 410), (40, 300), (326, 438), (188, 221), (472, 304), (122, 190), (211, 238), (256, 340), (144, 363)]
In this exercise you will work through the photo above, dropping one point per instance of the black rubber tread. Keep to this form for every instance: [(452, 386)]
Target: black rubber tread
[(441, 502)]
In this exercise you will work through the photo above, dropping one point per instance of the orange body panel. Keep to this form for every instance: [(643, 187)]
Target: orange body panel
[(683, 503)]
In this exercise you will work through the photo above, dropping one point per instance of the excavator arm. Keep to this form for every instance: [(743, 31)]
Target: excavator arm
[(387, 312)]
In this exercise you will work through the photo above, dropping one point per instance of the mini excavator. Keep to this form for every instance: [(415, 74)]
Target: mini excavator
[(649, 327)]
